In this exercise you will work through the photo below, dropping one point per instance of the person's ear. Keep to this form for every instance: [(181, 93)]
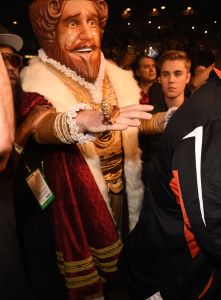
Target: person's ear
[(188, 78)]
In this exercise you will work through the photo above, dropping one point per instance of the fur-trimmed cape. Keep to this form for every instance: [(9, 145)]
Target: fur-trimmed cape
[(38, 77)]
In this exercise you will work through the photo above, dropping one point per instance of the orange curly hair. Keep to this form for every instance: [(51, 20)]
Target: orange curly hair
[(45, 15)]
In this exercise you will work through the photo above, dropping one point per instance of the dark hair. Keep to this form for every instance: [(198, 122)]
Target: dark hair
[(45, 15), (136, 64), (204, 57)]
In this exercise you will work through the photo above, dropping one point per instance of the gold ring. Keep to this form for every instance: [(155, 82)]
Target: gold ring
[(107, 110)]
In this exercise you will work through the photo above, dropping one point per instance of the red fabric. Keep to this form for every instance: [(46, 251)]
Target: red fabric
[(144, 98), (81, 221), (218, 72), (29, 101), (208, 285)]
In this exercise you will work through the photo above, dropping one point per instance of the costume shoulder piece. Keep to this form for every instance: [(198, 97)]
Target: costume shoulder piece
[(38, 77)]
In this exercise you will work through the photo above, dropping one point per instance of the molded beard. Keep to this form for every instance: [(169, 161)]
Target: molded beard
[(86, 69)]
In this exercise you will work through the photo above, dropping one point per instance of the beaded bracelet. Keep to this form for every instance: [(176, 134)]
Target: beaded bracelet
[(73, 127), (59, 128), (66, 129)]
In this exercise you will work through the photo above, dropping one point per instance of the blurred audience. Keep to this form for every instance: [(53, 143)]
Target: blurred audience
[(203, 63), (127, 57)]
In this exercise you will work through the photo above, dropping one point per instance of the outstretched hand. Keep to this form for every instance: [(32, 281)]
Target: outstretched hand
[(130, 116)]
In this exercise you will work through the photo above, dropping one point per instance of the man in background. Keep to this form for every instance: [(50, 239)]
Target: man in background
[(145, 73), (6, 117), (7, 106), (32, 223), (13, 282)]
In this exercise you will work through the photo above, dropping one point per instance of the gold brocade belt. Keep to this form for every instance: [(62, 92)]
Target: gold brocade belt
[(110, 153), (109, 149), (112, 170)]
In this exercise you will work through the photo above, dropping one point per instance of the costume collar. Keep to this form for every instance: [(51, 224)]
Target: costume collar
[(95, 89)]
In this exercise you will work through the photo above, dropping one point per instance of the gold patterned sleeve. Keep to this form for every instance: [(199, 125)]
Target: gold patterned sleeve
[(45, 133), (155, 125), (62, 128)]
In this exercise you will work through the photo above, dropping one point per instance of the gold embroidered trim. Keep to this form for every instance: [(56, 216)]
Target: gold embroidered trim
[(82, 280), (107, 251), (104, 140), (74, 266), (107, 267)]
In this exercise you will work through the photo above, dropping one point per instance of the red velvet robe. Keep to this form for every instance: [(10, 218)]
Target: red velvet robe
[(87, 243)]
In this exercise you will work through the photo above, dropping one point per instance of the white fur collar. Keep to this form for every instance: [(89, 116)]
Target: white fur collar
[(37, 77)]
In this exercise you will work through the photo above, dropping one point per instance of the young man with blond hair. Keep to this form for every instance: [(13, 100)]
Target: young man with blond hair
[(175, 74), (174, 66)]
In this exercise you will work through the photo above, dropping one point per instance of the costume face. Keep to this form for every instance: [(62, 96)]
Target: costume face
[(13, 72), (174, 77), (147, 70), (78, 37)]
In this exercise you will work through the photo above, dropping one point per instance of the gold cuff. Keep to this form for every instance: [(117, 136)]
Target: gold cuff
[(155, 125), (45, 133)]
